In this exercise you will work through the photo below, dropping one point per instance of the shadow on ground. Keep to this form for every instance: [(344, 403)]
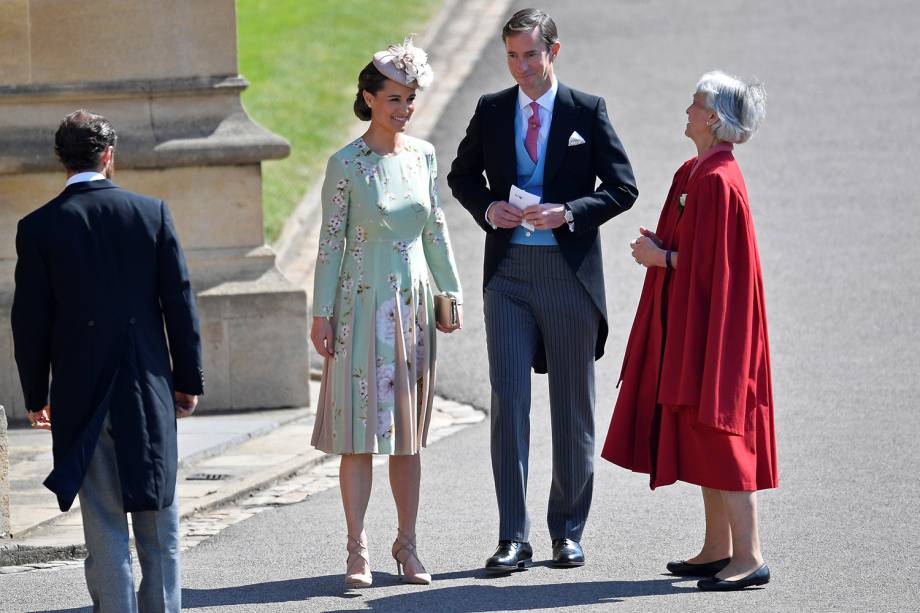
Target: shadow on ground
[(479, 596)]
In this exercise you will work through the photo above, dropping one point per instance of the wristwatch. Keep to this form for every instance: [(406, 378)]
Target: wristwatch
[(569, 217)]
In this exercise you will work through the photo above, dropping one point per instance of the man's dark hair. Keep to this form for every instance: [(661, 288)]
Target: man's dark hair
[(81, 139), (526, 20)]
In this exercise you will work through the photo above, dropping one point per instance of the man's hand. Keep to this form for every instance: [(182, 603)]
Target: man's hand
[(457, 326), (322, 337), (185, 404), (41, 419), (545, 216), (504, 215)]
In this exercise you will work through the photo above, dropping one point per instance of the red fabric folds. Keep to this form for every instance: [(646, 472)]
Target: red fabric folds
[(696, 373)]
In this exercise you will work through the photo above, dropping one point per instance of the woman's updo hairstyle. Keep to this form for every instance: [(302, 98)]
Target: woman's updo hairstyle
[(370, 80), (740, 105)]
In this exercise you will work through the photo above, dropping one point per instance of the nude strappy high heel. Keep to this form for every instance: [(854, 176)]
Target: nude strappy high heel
[(403, 550), (354, 575)]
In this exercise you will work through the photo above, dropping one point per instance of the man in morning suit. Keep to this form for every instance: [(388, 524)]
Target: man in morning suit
[(100, 271), (543, 288)]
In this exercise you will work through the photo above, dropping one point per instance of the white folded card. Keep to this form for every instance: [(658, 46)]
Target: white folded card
[(522, 199), (576, 139)]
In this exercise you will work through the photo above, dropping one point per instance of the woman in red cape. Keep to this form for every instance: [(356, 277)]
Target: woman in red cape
[(696, 402)]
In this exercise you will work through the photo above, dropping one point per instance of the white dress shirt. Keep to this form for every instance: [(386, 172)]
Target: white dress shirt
[(524, 112), (80, 177), (522, 115)]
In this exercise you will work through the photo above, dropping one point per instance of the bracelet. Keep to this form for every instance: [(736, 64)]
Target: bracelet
[(667, 260)]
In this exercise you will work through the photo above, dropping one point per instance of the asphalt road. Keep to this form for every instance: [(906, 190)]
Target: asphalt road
[(832, 181)]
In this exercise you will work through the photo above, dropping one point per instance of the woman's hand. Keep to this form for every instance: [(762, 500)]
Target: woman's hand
[(322, 337), (646, 232), (457, 326), (646, 250)]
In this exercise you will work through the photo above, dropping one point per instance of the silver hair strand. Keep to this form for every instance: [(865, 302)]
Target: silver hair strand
[(740, 105)]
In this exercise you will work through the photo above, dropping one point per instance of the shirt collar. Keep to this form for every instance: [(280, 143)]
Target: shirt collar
[(547, 100), (85, 176)]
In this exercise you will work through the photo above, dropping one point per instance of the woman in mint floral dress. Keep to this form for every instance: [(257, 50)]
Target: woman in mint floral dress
[(382, 232)]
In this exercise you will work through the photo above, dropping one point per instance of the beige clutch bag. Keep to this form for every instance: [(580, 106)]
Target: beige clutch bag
[(445, 310)]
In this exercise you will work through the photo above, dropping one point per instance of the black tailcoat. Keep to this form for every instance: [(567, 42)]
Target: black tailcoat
[(100, 271), (570, 177)]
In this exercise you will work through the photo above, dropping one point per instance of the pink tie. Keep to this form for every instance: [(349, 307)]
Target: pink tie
[(533, 129)]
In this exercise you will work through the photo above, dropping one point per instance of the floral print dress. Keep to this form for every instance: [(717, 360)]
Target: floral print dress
[(382, 231)]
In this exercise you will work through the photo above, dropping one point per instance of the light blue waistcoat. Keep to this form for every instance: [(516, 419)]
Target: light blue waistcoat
[(530, 178)]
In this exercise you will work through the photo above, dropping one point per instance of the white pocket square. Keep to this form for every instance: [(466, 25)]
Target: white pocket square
[(576, 139)]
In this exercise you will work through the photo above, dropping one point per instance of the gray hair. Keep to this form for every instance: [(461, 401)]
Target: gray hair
[(740, 105)]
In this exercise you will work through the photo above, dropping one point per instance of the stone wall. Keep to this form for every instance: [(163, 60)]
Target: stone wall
[(165, 74)]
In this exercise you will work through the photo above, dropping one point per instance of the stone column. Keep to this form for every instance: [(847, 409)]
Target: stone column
[(165, 74), (4, 478)]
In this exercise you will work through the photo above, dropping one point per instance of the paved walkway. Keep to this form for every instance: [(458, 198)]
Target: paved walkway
[(234, 466), (33, 505), (231, 467), (834, 195)]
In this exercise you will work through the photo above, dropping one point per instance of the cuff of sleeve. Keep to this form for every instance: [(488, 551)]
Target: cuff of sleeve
[(36, 403), (323, 310), (190, 385), (489, 208)]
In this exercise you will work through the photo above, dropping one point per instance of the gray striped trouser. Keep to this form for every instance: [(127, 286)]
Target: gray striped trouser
[(109, 576), (535, 295)]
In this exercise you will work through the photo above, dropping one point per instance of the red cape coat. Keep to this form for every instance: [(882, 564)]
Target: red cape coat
[(696, 401)]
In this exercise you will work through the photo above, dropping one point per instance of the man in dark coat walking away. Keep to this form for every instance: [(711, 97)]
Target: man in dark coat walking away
[(99, 273)]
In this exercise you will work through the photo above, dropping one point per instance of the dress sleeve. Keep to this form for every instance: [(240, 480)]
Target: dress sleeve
[(336, 198), (436, 241)]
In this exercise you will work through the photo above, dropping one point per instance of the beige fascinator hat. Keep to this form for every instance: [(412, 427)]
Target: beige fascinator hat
[(406, 64)]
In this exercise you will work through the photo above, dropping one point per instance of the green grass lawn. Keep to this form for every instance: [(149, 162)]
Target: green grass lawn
[(302, 58)]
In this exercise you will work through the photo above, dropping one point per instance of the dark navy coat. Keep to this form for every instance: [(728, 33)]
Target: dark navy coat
[(100, 271), (485, 169)]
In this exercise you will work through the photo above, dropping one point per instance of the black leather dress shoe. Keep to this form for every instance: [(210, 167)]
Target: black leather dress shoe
[(510, 556), (707, 569), (761, 576), (567, 553)]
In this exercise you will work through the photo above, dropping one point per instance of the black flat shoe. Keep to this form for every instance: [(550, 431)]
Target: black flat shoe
[(706, 569), (761, 576), (510, 556), (567, 553)]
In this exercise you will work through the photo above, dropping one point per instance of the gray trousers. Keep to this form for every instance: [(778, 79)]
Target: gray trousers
[(109, 576), (534, 295)]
